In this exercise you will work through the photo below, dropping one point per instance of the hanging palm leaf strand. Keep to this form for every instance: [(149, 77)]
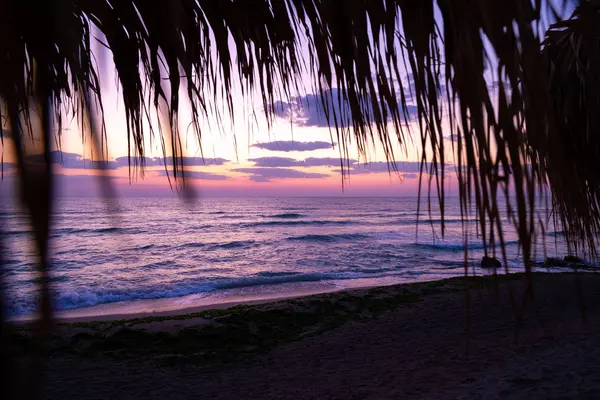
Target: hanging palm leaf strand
[(571, 53)]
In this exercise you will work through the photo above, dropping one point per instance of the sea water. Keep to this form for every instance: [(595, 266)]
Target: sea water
[(106, 251)]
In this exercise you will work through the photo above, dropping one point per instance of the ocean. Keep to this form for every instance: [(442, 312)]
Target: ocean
[(236, 248)]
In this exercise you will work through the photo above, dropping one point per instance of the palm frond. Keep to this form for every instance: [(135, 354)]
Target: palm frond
[(571, 54)]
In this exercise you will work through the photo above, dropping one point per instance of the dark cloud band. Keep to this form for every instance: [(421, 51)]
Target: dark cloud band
[(266, 174), (274, 162), (289, 145)]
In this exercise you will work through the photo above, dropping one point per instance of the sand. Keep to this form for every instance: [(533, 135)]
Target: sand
[(227, 298), (418, 347)]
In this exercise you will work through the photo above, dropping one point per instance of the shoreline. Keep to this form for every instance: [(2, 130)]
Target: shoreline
[(247, 296), (80, 315), (225, 299)]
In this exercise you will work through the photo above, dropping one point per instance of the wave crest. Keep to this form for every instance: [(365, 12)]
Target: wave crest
[(329, 238), (456, 246), (286, 216)]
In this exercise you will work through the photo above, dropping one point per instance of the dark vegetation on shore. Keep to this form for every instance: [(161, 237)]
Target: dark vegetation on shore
[(225, 335)]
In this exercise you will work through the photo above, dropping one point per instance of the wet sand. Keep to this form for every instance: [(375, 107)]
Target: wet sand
[(227, 298), (383, 345)]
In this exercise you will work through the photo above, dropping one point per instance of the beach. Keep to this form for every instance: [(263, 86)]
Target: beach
[(401, 341)]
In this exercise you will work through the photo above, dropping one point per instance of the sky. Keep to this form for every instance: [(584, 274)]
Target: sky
[(297, 160), (292, 157), (245, 157)]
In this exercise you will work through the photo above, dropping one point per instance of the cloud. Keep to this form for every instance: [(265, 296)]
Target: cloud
[(266, 174), (7, 166), (205, 176), (275, 162), (309, 111), (326, 162), (73, 161), (80, 177), (160, 161), (77, 161), (408, 169), (282, 109), (451, 138), (290, 145), (382, 166)]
